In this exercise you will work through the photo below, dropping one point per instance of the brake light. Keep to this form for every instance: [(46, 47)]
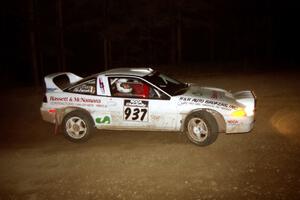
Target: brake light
[(52, 111)]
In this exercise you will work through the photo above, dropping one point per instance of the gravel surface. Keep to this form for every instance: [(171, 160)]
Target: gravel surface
[(263, 164)]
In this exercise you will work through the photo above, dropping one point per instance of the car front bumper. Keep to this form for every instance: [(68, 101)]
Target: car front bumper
[(240, 125)]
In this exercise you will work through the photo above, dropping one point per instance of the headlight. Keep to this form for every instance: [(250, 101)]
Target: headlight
[(240, 112), (243, 112)]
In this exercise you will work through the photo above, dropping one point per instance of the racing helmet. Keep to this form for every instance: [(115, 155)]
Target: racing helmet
[(123, 86)]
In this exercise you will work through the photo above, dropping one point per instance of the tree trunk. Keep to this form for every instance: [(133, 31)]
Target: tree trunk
[(62, 58), (212, 45), (269, 30), (105, 50), (39, 47), (212, 35), (109, 54), (173, 32), (106, 35), (33, 43), (173, 44), (150, 46), (179, 37)]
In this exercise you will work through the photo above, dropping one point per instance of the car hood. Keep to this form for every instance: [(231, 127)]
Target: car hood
[(209, 93)]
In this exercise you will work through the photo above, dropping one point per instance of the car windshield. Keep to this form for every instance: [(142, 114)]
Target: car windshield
[(167, 84)]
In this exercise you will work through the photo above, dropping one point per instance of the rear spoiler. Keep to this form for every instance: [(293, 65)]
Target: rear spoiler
[(51, 86)]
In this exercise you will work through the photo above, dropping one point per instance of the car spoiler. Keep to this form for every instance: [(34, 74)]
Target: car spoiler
[(51, 86)]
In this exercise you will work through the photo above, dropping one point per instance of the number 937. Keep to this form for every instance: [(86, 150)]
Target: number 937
[(135, 114)]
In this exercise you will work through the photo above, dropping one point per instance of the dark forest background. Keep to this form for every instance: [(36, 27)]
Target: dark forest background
[(39, 37)]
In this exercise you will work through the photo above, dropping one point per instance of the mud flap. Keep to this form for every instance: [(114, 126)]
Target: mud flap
[(56, 124), (58, 118)]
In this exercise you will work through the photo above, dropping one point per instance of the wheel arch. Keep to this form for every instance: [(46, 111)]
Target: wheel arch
[(67, 110), (215, 114)]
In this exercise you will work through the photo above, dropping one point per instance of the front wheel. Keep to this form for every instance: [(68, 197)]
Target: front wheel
[(201, 129), (77, 126)]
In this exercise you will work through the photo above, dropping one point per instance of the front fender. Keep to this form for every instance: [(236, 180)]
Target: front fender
[(217, 116)]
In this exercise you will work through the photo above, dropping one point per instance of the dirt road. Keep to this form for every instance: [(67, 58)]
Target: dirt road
[(263, 164)]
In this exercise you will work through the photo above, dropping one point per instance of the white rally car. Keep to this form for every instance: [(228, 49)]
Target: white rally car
[(144, 99)]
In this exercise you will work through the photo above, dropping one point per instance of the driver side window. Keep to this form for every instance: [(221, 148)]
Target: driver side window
[(133, 88)]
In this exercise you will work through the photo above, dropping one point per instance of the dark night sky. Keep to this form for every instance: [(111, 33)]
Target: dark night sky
[(261, 32)]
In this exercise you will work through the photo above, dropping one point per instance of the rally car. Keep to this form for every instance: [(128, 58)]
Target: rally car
[(144, 99)]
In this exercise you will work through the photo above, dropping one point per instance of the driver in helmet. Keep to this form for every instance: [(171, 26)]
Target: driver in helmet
[(123, 86)]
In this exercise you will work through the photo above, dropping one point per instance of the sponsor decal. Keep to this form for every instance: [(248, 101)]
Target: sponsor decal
[(101, 85), (185, 98), (155, 117), (59, 98), (219, 104), (189, 100), (207, 102), (212, 102), (86, 100), (136, 103), (103, 120), (232, 121), (214, 95), (135, 110), (232, 107), (77, 101), (85, 89)]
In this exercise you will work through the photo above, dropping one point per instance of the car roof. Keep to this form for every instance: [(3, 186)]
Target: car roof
[(129, 71), (116, 71)]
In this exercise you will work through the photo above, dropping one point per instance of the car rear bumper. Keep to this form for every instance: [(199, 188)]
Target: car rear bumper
[(47, 116)]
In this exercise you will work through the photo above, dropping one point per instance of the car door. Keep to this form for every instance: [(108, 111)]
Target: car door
[(136, 104), (163, 114), (127, 109)]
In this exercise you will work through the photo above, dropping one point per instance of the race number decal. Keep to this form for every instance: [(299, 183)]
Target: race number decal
[(135, 110)]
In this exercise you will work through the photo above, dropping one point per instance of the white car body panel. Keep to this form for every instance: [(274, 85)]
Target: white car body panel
[(110, 112), (51, 86)]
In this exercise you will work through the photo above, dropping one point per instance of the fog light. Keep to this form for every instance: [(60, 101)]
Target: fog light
[(240, 112)]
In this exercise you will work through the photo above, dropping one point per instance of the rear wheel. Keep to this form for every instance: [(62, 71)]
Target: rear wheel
[(201, 129), (77, 126)]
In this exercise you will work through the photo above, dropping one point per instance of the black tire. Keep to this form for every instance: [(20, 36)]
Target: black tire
[(201, 128), (77, 126)]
